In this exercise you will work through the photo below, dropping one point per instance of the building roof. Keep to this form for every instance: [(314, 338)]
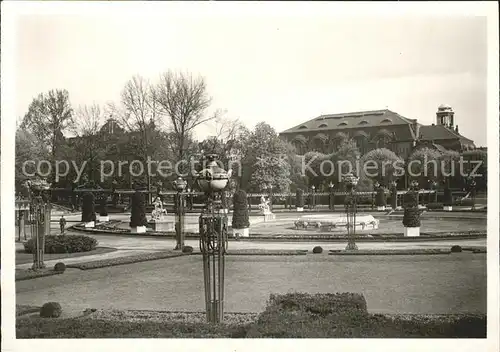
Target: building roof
[(439, 132), (374, 118)]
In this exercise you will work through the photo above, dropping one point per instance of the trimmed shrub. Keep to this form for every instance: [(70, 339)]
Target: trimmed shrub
[(299, 198), (51, 310), (240, 210), (60, 267), (64, 244), (448, 197), (103, 210), (394, 197), (380, 200), (88, 208), (317, 250), (187, 249), (138, 215), (466, 202), (456, 249), (411, 217)]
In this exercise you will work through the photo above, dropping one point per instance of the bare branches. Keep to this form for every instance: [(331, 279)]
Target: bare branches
[(183, 99), (89, 119), (138, 105)]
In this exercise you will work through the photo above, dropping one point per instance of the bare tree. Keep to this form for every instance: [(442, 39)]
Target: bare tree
[(183, 100), (138, 114), (88, 122)]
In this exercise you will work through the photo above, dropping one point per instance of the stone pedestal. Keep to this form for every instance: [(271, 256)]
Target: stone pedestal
[(412, 231), (300, 209), (138, 229), (447, 208), (89, 225), (162, 225), (241, 232), (103, 218), (269, 217), (381, 208)]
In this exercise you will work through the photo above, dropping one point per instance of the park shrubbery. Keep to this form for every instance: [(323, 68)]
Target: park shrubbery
[(381, 200), (434, 206), (88, 208), (317, 250), (51, 310), (299, 198), (448, 198), (138, 214), (103, 210), (240, 213), (64, 244), (60, 267)]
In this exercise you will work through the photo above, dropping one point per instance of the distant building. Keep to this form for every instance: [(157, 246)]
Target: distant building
[(378, 129)]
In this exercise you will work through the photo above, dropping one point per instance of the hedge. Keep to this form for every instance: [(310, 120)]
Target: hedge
[(64, 244), (240, 212), (88, 208), (138, 213)]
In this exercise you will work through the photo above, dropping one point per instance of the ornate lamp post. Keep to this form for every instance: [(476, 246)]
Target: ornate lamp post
[(180, 185), (351, 205), (332, 195), (213, 238), (472, 188)]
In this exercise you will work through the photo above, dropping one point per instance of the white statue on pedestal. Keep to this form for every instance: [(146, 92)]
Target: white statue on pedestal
[(264, 205), (158, 211)]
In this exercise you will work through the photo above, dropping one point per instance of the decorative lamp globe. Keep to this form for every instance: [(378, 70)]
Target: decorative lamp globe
[(350, 180), (180, 184), (213, 178)]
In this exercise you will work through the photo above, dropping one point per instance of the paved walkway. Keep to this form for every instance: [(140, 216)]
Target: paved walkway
[(129, 245)]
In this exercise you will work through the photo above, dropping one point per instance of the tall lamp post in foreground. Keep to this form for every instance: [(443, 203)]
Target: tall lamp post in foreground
[(351, 205), (180, 185), (213, 237)]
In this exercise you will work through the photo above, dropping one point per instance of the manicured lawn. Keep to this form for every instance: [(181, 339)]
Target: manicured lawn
[(433, 284), (23, 257)]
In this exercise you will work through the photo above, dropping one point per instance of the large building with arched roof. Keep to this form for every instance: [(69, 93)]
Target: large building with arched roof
[(378, 129)]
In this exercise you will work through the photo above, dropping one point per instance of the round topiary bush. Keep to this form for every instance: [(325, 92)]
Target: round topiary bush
[(240, 210), (187, 249), (317, 250), (138, 215), (299, 198), (456, 249), (411, 217), (64, 244), (51, 310), (103, 210), (88, 208), (60, 267)]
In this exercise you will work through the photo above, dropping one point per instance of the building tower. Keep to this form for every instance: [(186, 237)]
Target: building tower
[(445, 116)]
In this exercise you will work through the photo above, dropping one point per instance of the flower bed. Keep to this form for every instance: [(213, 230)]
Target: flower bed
[(392, 252), (64, 244)]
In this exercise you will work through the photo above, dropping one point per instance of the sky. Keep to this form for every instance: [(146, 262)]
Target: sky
[(280, 69)]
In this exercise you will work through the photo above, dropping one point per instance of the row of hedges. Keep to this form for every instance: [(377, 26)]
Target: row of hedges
[(64, 244)]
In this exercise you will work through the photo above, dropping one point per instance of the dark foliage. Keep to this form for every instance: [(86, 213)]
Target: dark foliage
[(88, 208), (448, 198), (317, 250), (138, 216), (64, 244), (103, 209), (240, 213), (411, 217), (456, 249), (187, 249), (299, 198), (51, 310), (381, 199), (60, 267)]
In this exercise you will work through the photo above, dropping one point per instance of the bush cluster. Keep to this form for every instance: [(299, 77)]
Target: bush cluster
[(456, 249), (103, 210), (187, 249), (138, 213), (64, 244), (60, 267), (88, 208), (240, 210), (435, 206), (299, 198), (394, 197)]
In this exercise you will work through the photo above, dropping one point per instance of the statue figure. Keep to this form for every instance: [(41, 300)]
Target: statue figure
[(264, 205), (158, 211)]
